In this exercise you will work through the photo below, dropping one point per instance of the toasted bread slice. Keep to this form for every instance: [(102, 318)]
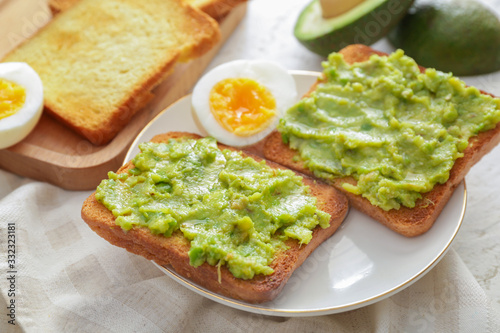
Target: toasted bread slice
[(218, 9), (405, 221), (215, 8), (174, 250), (99, 60)]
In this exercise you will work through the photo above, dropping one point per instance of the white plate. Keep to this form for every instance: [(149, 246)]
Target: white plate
[(362, 263)]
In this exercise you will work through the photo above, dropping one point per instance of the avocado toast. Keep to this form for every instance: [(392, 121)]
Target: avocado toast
[(174, 250), (408, 221)]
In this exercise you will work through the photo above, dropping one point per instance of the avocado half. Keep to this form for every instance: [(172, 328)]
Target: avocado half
[(364, 24)]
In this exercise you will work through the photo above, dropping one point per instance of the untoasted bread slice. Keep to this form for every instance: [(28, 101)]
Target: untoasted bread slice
[(99, 60), (215, 8), (174, 250), (406, 221)]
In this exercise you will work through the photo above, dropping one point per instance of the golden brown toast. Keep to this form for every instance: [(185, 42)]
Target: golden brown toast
[(215, 8), (100, 60), (406, 221), (218, 9), (174, 250)]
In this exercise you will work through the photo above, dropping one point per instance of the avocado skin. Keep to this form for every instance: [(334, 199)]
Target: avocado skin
[(365, 30), (430, 34)]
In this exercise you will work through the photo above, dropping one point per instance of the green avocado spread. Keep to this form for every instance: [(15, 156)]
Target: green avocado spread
[(233, 210), (395, 130)]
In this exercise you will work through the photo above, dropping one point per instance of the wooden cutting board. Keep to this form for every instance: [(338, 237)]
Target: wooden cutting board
[(52, 152)]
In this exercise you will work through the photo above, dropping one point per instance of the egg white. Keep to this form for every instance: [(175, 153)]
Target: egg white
[(16, 127), (269, 74)]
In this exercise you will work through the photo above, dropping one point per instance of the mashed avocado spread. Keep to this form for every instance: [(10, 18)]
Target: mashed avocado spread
[(234, 210), (396, 130)]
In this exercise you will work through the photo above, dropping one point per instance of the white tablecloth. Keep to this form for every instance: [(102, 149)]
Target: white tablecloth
[(68, 279)]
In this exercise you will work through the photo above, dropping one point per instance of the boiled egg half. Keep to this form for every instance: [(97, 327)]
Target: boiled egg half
[(240, 102), (21, 102)]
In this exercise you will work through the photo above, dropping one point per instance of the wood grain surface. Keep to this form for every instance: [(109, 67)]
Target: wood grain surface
[(52, 152)]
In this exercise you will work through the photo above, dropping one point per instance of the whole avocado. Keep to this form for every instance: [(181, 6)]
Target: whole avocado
[(458, 36), (365, 24)]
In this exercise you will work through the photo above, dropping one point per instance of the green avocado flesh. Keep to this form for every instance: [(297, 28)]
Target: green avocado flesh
[(458, 36), (364, 24), (395, 130), (234, 210)]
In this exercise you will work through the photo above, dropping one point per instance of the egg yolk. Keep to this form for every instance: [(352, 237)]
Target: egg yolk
[(12, 97), (242, 106)]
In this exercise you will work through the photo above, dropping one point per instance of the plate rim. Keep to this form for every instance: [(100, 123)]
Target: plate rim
[(255, 308)]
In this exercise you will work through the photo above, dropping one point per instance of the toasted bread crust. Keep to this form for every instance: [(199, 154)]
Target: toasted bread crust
[(174, 250), (406, 221), (217, 9), (57, 6)]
